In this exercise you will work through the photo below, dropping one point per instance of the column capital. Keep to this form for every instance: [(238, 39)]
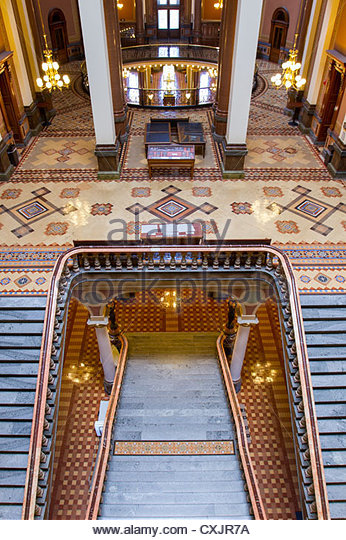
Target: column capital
[(247, 320), (98, 321)]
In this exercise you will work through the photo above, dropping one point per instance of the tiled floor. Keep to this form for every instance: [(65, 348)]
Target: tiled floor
[(77, 443), (287, 194), (60, 153), (265, 398)]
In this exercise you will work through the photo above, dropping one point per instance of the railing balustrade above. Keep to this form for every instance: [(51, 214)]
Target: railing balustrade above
[(164, 52), (184, 97)]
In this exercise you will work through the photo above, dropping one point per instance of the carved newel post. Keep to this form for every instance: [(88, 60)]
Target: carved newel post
[(230, 328), (114, 329)]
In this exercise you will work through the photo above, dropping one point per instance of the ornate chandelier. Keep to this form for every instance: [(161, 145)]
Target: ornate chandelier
[(51, 79), (169, 299), (120, 5), (218, 5), (289, 78)]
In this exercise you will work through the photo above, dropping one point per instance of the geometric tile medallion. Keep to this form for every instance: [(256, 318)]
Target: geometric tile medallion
[(171, 190), (308, 207), (171, 208), (23, 280), (311, 208), (322, 278), (32, 210), (173, 448)]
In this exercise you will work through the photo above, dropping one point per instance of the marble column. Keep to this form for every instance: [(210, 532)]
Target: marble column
[(13, 25), (243, 65), (308, 109), (240, 346), (96, 53), (322, 36), (227, 35), (115, 65), (140, 36), (197, 22), (107, 356)]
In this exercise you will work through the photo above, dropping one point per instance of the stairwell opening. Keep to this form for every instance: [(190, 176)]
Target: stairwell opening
[(236, 264), (170, 309)]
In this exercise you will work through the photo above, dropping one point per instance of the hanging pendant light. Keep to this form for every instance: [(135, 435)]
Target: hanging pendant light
[(218, 5), (290, 77), (51, 79)]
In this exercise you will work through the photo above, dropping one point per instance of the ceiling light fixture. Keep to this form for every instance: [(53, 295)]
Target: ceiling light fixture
[(51, 79)]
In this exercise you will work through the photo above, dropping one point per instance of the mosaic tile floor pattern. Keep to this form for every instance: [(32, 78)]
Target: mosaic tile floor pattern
[(143, 313), (265, 398), (77, 443), (173, 448), (62, 158)]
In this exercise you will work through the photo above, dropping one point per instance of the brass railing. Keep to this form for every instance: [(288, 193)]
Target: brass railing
[(180, 97), (106, 438), (88, 262), (170, 51), (250, 477)]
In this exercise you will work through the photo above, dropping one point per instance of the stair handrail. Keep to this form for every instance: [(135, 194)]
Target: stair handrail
[(61, 270), (243, 447), (106, 437)]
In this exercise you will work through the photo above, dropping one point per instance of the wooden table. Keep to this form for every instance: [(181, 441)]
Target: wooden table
[(192, 133), (171, 157)]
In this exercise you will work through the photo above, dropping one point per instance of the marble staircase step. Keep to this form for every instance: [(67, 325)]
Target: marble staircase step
[(331, 314), (28, 315), (229, 511), (168, 463), (21, 326), (326, 352), (173, 390), (327, 366)]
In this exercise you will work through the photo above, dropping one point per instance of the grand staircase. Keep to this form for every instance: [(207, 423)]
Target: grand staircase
[(173, 391), (21, 324), (325, 327)]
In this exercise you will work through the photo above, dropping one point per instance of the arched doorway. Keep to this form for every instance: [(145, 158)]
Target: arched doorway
[(58, 34), (278, 33)]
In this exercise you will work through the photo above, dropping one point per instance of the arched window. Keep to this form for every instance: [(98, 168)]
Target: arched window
[(58, 34), (278, 33)]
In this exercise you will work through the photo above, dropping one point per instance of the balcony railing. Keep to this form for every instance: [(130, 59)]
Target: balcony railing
[(198, 53), (154, 97)]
